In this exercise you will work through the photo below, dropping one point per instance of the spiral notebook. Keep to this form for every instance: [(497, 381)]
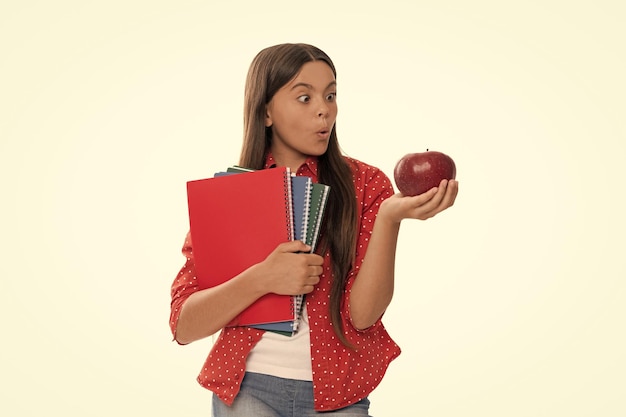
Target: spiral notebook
[(308, 203), (236, 221)]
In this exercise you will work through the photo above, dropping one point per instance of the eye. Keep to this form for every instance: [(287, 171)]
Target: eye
[(304, 99), (331, 97)]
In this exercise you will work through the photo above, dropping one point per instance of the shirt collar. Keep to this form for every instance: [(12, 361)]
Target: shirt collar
[(308, 168)]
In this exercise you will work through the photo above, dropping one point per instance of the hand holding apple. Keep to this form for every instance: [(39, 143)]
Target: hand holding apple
[(421, 207), (416, 173)]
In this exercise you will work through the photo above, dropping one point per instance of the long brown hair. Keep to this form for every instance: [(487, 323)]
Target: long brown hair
[(270, 70)]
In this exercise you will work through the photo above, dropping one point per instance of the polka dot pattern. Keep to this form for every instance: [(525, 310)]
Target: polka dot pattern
[(341, 376)]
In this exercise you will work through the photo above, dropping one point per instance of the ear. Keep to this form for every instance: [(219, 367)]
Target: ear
[(268, 117)]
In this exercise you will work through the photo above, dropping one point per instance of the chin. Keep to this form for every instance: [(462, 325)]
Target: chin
[(319, 150)]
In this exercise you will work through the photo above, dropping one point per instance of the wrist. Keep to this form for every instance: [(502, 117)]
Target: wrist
[(252, 279), (387, 215)]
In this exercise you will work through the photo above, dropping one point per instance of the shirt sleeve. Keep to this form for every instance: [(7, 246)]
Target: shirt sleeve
[(372, 188), (184, 284)]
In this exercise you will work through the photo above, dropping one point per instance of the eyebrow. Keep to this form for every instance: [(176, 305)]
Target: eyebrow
[(310, 87)]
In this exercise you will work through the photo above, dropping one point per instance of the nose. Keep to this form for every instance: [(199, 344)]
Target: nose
[(322, 110)]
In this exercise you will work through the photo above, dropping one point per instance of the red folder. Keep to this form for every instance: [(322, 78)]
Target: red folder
[(236, 221)]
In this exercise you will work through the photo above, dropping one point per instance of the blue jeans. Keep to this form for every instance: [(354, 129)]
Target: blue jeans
[(270, 396)]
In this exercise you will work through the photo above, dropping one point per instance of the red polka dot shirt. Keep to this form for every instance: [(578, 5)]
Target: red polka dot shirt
[(341, 376)]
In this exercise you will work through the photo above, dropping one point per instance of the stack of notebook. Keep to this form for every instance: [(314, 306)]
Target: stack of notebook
[(238, 217)]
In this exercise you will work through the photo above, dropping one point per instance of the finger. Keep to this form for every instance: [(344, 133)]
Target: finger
[(426, 196), (451, 193), (446, 200), (429, 207), (314, 259), (306, 289), (308, 285), (293, 246), (315, 271), (437, 197), (313, 281)]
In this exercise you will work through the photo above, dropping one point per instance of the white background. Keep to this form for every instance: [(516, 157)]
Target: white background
[(509, 304)]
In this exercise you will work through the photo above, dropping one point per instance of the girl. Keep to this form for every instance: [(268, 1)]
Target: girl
[(341, 350)]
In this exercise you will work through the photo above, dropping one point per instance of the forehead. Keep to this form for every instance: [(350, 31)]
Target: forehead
[(316, 74)]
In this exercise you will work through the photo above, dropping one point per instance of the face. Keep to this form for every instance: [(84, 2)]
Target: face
[(302, 114)]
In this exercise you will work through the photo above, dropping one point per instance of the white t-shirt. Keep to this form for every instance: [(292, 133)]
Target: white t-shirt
[(284, 356)]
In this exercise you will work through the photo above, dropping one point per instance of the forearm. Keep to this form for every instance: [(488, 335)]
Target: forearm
[(285, 271), (207, 311), (372, 290)]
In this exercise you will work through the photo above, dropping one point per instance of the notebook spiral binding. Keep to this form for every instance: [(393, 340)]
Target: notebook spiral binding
[(290, 237), (289, 214), (305, 215)]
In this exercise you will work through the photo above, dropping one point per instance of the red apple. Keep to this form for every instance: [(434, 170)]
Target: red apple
[(416, 173)]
